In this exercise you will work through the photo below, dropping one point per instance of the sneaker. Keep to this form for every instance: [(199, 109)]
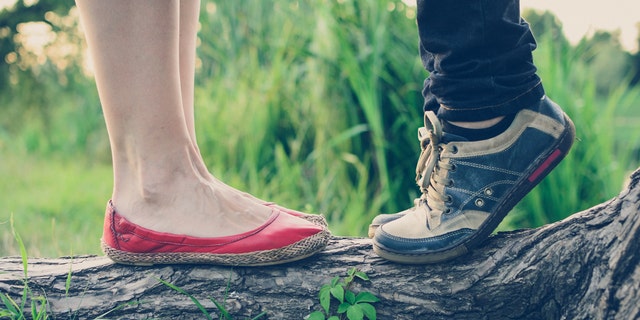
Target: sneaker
[(469, 187)]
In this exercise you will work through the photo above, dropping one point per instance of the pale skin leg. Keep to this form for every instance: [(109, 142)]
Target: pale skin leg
[(189, 12), (479, 124), (188, 28), (160, 180)]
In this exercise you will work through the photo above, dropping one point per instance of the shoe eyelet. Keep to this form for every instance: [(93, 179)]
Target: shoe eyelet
[(450, 183), (454, 149), (447, 211), (479, 202), (449, 199), (453, 168), (488, 191)]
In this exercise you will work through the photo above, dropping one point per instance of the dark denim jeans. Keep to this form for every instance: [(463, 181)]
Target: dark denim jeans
[(478, 54)]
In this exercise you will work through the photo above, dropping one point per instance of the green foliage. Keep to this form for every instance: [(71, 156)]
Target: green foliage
[(610, 64), (349, 304), (318, 114), (12, 17), (57, 204)]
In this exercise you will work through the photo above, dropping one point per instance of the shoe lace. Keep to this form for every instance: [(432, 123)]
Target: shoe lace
[(431, 173)]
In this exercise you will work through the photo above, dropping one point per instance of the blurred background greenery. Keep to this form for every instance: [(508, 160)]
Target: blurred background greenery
[(312, 104)]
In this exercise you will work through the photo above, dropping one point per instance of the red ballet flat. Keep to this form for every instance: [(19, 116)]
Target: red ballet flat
[(279, 240)]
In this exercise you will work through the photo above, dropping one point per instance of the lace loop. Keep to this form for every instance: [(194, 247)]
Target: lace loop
[(431, 173), (429, 137)]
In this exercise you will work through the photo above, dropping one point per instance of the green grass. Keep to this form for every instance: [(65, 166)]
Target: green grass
[(12, 309), (57, 205), (310, 117), (314, 105)]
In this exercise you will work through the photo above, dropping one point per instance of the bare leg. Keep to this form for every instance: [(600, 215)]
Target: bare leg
[(188, 31), (160, 181), (189, 12)]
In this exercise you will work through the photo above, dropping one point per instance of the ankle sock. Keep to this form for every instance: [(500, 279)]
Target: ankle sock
[(479, 134)]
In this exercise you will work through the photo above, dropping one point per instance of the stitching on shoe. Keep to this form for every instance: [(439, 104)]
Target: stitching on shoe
[(427, 239), (485, 167)]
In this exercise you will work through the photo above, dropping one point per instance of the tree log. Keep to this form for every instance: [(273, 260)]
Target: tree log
[(583, 267)]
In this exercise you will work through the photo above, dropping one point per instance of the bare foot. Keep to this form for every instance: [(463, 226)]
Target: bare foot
[(175, 197)]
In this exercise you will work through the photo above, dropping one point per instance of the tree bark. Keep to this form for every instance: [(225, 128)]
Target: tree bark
[(583, 267)]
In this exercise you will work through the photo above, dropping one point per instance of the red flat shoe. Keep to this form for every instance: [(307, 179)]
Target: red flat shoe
[(313, 218), (279, 240)]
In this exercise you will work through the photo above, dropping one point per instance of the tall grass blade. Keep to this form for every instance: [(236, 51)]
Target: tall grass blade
[(195, 301), (224, 314), (12, 308)]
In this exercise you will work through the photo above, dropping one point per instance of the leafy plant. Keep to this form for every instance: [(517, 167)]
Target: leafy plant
[(353, 306)]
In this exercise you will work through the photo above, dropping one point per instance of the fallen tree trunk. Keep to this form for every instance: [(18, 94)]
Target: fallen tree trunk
[(584, 267)]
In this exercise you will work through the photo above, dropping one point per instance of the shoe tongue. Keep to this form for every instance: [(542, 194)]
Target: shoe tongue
[(450, 137)]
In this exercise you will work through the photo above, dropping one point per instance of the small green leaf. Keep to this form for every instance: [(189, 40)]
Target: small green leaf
[(368, 310), (355, 313), (325, 298), (338, 293), (334, 281), (352, 271), (334, 318), (350, 297), (342, 308), (316, 315), (366, 297), (362, 275)]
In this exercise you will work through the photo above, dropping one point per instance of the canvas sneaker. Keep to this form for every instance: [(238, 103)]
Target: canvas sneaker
[(468, 187)]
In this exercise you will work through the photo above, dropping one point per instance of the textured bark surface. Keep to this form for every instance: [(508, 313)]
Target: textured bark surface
[(584, 267)]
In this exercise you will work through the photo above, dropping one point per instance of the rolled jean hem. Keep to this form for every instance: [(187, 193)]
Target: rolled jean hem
[(528, 98)]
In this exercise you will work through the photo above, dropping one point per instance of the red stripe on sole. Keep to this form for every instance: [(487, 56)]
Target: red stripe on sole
[(545, 165)]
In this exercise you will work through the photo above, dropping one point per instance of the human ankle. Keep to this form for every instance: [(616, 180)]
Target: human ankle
[(477, 124), (480, 130)]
